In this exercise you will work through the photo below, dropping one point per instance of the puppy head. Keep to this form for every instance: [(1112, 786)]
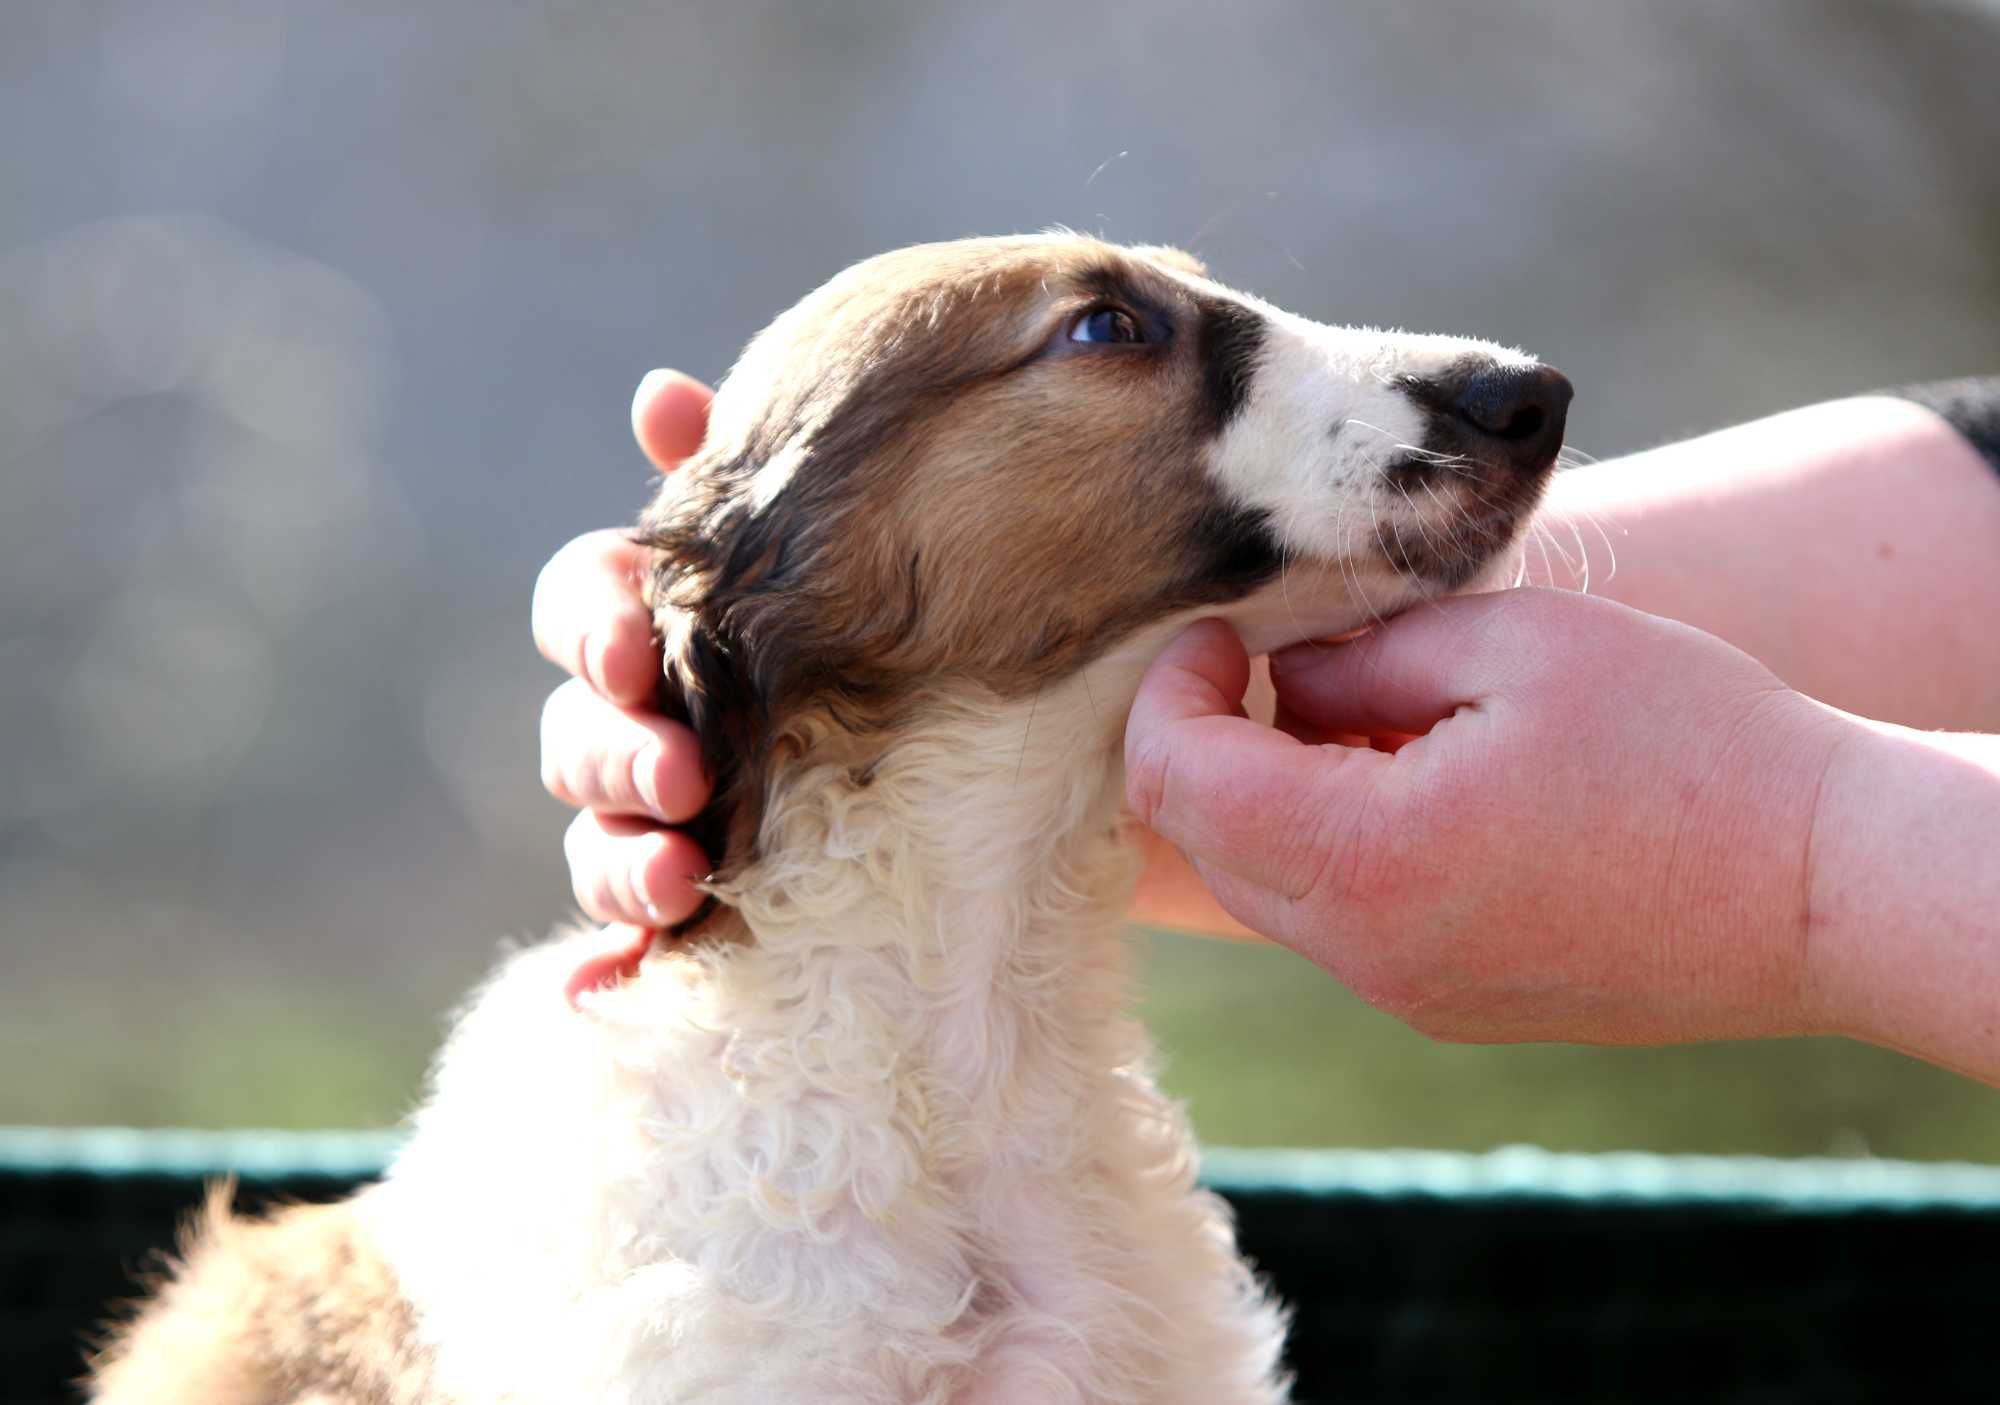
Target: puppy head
[(979, 465)]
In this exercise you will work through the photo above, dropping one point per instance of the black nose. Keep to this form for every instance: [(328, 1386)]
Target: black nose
[(1518, 411)]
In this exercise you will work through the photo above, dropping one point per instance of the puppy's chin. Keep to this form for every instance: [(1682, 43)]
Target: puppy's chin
[(1506, 569), (1471, 554), (1331, 602)]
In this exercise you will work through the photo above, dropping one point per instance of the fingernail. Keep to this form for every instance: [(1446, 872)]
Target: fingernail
[(651, 382), (593, 660)]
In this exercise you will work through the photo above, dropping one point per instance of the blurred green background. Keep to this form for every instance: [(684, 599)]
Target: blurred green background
[(318, 323), (1264, 1049)]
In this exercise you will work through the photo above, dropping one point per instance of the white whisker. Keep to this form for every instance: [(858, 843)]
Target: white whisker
[(1609, 550), (1422, 530), (1582, 550), (1582, 567)]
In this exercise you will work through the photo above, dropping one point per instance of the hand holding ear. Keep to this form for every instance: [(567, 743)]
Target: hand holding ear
[(1602, 835), (605, 748)]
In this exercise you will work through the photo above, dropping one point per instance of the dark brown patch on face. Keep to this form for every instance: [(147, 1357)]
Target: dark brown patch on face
[(1491, 435), (917, 479), (1230, 342)]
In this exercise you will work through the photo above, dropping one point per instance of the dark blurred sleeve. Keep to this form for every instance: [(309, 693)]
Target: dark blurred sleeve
[(1972, 406)]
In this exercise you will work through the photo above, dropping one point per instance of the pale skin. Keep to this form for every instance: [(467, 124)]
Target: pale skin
[(1654, 813)]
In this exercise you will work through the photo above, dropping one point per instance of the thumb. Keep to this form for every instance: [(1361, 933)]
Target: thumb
[(1242, 800)]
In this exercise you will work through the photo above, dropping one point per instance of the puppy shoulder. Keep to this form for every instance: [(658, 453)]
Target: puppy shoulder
[(296, 1306)]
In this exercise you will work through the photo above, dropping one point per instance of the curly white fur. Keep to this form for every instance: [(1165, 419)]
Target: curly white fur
[(903, 1146)]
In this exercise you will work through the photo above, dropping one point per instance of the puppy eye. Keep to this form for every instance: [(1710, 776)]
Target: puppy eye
[(1107, 324)]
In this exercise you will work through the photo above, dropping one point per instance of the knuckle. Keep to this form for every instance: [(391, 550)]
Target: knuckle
[(615, 774), (641, 883), (596, 899), (606, 894), (543, 611), (556, 783), (576, 841), (555, 779), (560, 782), (538, 603), (586, 880), (1321, 856)]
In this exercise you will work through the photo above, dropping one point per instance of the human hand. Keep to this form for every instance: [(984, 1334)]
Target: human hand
[(1603, 835), (605, 747)]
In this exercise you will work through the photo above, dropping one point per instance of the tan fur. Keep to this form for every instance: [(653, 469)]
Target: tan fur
[(990, 515), (997, 477), (294, 1308)]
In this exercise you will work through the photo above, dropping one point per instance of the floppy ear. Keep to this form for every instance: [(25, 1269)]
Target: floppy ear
[(768, 633), (709, 679), (729, 646), (706, 686)]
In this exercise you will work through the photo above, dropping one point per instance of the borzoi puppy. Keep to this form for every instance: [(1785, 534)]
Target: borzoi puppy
[(876, 1127)]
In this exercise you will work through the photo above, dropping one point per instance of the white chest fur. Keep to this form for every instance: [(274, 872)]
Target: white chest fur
[(900, 1146)]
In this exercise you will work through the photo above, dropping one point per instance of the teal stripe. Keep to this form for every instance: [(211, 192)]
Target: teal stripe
[(1626, 1177), (248, 1154), (1511, 1173)]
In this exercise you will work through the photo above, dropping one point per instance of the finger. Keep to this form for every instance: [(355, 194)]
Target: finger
[(1204, 671), (1231, 793), (624, 870), (670, 417), (1260, 910), (1322, 933), (588, 616), (597, 755), (1414, 671)]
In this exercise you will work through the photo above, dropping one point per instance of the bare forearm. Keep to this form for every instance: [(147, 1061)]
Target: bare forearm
[(1904, 898), (1852, 547)]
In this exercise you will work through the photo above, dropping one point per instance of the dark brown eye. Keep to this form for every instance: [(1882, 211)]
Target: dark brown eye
[(1112, 325)]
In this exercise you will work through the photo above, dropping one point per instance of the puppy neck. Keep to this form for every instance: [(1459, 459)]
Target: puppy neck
[(1004, 814)]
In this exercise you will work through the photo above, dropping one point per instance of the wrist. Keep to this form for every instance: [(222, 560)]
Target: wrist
[(1761, 852), (1829, 981), (1903, 896)]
